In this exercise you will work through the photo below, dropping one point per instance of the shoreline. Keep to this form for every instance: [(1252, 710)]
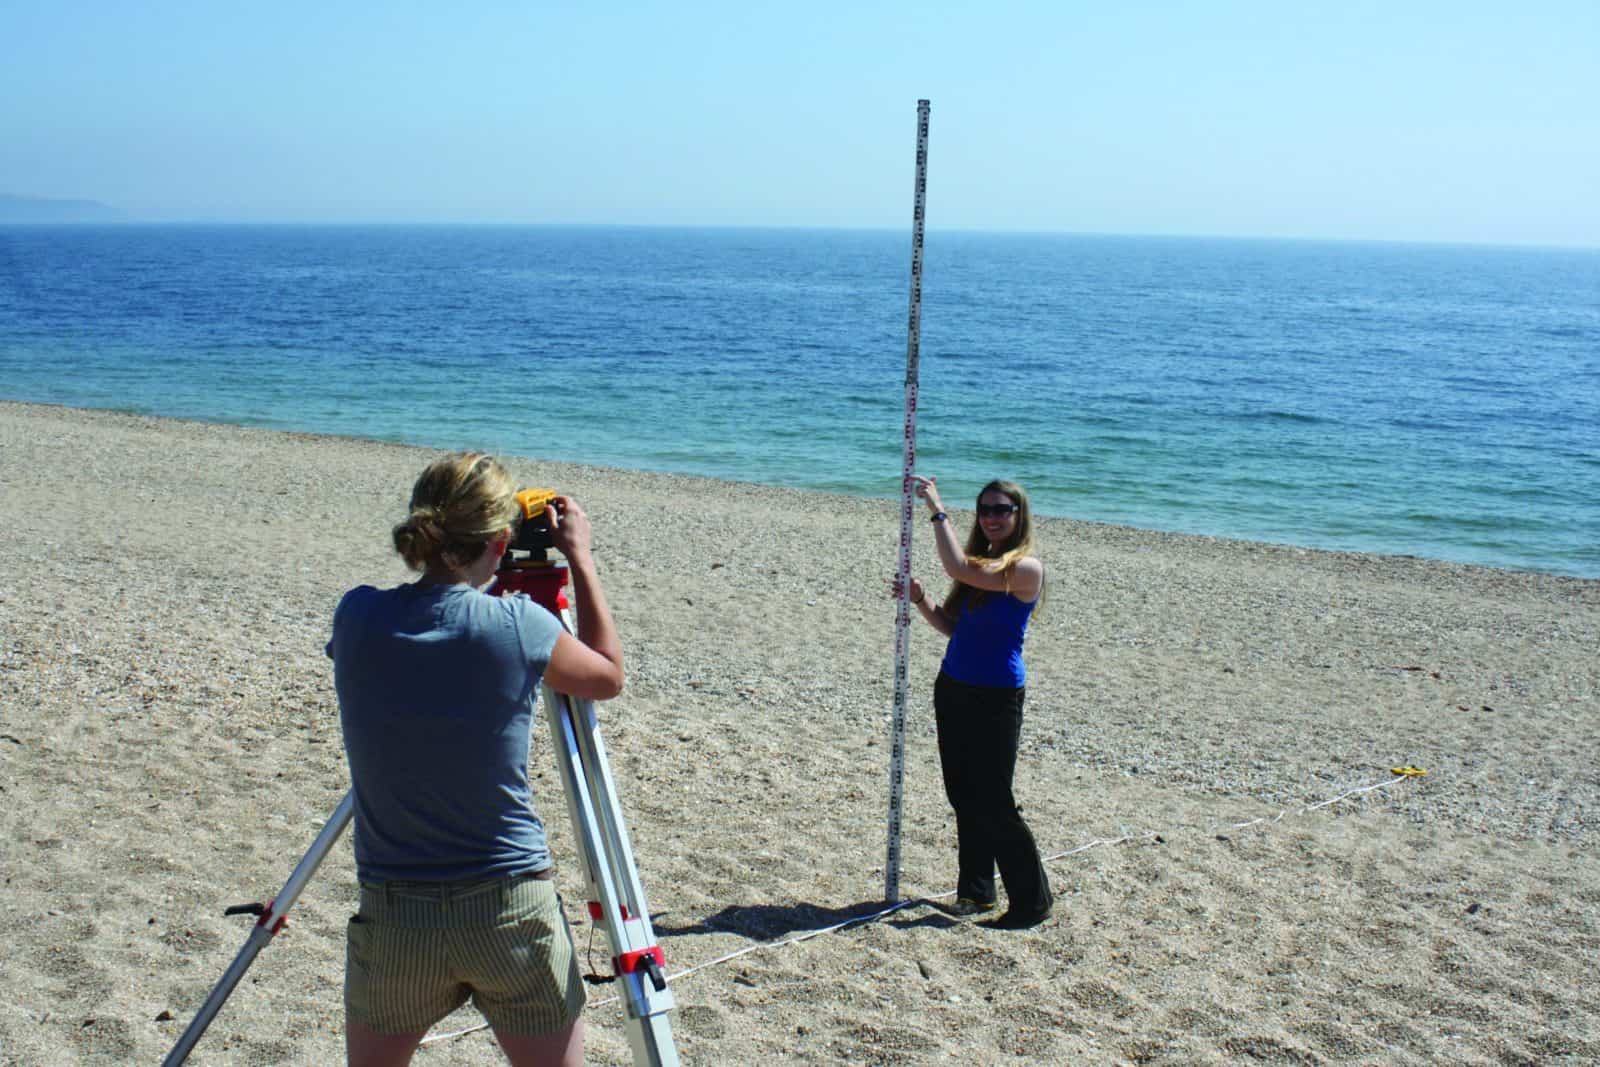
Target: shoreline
[(170, 746), (1112, 530)]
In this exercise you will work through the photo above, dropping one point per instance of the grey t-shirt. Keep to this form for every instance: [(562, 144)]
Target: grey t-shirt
[(436, 689)]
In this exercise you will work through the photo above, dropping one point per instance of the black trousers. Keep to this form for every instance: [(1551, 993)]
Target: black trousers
[(978, 731)]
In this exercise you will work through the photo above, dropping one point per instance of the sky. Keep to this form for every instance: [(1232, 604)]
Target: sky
[(1459, 121)]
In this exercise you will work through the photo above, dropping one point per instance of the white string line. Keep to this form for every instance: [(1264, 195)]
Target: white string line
[(1125, 838), (861, 920)]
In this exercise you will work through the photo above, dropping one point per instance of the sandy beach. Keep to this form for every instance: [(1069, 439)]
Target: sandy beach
[(169, 746)]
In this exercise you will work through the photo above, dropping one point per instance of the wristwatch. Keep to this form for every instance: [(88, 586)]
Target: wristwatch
[(938, 516)]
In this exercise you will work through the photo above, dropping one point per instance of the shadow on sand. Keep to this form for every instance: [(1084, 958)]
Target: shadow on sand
[(770, 922)]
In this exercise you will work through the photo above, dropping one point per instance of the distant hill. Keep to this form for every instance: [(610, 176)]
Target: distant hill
[(44, 209)]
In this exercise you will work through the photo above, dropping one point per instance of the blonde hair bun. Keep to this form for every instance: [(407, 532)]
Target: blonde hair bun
[(458, 504)]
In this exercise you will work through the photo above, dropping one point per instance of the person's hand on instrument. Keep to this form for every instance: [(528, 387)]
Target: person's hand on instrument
[(570, 531)]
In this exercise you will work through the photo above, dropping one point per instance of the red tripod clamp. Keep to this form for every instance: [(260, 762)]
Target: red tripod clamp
[(263, 911), (650, 960)]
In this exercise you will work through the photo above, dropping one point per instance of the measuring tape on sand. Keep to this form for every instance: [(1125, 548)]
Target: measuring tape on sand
[(902, 633)]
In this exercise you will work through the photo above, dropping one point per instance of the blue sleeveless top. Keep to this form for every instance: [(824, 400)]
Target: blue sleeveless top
[(986, 648)]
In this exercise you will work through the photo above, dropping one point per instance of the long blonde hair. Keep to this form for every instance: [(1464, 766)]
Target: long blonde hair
[(1013, 550), (458, 505)]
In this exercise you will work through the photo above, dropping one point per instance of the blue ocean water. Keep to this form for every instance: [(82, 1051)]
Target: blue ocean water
[(1437, 401)]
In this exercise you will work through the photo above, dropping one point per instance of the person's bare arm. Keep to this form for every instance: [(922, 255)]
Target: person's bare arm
[(588, 666), (932, 613), (1024, 579)]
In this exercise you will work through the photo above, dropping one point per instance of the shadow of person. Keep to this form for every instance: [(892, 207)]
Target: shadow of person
[(770, 922)]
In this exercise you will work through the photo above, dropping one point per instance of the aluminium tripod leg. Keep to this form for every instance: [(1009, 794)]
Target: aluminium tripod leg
[(616, 898), (272, 919)]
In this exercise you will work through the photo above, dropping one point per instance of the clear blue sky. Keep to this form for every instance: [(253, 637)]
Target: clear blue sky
[(1433, 121)]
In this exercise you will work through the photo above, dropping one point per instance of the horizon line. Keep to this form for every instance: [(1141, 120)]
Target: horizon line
[(993, 230)]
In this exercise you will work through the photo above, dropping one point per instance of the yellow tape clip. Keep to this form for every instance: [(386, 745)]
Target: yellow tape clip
[(1409, 772)]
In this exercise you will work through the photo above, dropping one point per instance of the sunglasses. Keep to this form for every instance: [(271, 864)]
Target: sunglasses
[(994, 511)]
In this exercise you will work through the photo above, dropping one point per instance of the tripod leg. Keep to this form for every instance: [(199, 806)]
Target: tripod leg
[(616, 897), (266, 928)]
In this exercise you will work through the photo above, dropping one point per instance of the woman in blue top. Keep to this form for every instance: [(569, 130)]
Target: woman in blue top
[(436, 682), (977, 699)]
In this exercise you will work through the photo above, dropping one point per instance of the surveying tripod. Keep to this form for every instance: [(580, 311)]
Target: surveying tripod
[(615, 895)]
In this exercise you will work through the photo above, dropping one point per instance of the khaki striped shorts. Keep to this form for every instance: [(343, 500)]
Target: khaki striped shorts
[(417, 951)]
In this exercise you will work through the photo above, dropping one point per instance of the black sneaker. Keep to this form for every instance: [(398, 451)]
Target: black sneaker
[(1018, 920), (965, 906)]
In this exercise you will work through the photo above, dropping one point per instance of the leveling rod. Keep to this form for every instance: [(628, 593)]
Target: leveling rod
[(902, 632)]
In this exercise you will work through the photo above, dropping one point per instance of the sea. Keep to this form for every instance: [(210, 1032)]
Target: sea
[(1424, 400)]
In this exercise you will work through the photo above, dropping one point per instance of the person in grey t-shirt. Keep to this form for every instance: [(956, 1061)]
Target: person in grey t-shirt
[(436, 682)]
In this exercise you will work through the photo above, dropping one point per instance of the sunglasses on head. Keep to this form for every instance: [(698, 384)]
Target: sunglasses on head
[(987, 511)]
